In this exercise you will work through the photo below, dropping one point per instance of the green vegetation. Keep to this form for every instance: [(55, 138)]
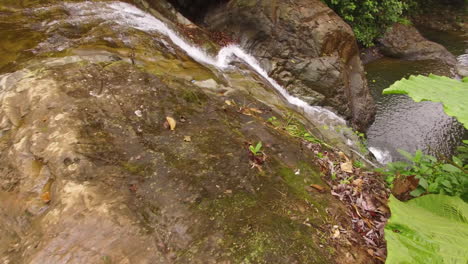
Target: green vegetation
[(447, 176), (429, 229), (257, 150), (294, 128), (369, 18), (358, 164), (453, 94), (435, 176)]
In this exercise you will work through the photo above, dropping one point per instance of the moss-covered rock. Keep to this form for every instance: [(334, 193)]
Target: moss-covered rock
[(90, 173)]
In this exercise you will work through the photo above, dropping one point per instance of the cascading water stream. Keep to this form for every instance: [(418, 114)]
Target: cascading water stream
[(128, 15)]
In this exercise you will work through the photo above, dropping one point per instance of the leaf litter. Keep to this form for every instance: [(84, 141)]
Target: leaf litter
[(365, 195)]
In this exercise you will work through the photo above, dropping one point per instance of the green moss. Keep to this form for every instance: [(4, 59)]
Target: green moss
[(133, 168), (256, 231), (236, 204), (193, 96), (298, 183)]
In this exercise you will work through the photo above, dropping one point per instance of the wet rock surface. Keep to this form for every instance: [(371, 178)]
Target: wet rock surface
[(89, 173), (306, 47), (462, 65), (405, 42)]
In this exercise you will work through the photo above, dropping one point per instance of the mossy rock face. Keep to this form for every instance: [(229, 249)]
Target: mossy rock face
[(89, 169)]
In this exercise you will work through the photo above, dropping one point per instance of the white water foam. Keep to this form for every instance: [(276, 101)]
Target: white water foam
[(463, 59), (129, 15), (382, 156)]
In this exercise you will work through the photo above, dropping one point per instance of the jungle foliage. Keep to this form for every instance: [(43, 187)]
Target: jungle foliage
[(429, 229), (370, 18)]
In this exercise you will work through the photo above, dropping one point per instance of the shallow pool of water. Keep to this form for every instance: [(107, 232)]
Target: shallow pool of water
[(403, 124), (455, 42)]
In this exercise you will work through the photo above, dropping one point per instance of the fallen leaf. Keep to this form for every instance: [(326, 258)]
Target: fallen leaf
[(250, 111), (336, 234), (228, 102), (383, 209), (343, 156), (358, 182), (246, 111), (172, 123), (187, 138), (347, 167), (318, 187), (45, 197), (402, 186), (256, 110)]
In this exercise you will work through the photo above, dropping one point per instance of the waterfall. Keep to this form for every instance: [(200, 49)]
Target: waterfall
[(129, 15)]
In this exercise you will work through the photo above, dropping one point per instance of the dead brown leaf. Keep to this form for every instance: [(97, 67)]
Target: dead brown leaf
[(347, 167), (402, 186), (172, 123), (45, 197), (318, 187), (250, 111)]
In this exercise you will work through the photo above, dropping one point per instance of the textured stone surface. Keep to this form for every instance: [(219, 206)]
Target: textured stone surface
[(306, 47), (405, 42), (90, 174)]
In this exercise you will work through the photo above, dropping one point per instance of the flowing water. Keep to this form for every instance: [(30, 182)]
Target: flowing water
[(400, 122), (126, 14)]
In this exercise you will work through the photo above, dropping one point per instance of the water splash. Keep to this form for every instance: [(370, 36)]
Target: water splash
[(131, 16), (463, 59), (382, 156)]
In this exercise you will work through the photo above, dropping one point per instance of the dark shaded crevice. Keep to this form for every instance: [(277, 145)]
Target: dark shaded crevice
[(195, 10)]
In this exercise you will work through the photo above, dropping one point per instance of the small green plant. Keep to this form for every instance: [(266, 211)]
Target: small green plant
[(347, 180), (358, 164), (462, 153), (273, 120), (435, 176), (294, 128), (362, 141), (405, 21), (257, 150), (320, 155)]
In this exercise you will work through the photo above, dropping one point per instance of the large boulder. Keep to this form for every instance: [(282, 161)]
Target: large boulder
[(306, 47), (92, 171), (462, 65), (405, 42)]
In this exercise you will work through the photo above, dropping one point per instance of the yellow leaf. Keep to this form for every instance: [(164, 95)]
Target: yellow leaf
[(228, 102), (317, 187), (45, 197), (336, 234), (256, 110), (187, 138), (172, 122), (347, 167)]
